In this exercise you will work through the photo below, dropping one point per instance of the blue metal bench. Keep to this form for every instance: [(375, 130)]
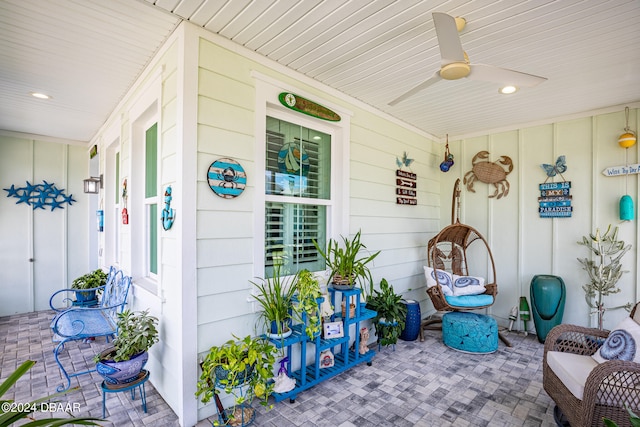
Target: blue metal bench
[(63, 299), (80, 323)]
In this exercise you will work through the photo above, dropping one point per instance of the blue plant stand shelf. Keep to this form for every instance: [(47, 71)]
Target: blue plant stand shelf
[(132, 386), (345, 356)]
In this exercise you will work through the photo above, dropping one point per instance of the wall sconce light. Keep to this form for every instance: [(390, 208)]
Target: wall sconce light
[(93, 185)]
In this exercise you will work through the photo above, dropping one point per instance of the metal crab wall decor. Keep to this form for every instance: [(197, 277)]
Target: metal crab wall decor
[(490, 173), (227, 178)]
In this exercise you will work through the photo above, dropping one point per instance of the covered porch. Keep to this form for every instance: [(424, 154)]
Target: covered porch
[(418, 384)]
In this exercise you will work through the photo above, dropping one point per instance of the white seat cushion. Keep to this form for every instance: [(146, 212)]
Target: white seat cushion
[(571, 369)]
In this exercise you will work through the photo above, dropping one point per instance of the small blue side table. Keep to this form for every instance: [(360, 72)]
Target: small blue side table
[(117, 388)]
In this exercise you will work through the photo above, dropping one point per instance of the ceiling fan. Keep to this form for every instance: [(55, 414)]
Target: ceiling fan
[(455, 63)]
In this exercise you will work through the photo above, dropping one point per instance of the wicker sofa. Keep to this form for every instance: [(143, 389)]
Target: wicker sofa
[(583, 389)]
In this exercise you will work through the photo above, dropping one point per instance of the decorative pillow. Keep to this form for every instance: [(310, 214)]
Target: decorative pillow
[(623, 343), (445, 279), (468, 285)]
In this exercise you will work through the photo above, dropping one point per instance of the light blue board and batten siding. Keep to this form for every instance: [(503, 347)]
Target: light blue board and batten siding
[(524, 244)]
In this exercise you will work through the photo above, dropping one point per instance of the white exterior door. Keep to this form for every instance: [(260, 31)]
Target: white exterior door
[(41, 249)]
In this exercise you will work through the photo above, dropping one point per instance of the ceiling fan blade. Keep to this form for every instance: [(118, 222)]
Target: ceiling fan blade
[(448, 38), (425, 84), (504, 76)]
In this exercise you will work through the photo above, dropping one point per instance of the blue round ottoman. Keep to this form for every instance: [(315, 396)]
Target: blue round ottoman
[(470, 332)]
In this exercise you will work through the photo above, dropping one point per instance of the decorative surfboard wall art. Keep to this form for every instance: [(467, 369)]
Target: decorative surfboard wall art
[(226, 178), (305, 106), (406, 182), (555, 197), (40, 196)]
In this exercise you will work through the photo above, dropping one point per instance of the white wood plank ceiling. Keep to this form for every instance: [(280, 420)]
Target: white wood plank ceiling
[(88, 52)]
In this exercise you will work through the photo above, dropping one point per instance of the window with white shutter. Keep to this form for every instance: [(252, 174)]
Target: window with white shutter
[(297, 196)]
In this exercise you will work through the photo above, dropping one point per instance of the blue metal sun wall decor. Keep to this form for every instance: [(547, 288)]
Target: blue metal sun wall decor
[(40, 195)]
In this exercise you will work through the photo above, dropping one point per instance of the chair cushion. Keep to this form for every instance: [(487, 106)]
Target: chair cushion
[(468, 285), (571, 369), (467, 301), (444, 278), (623, 343)]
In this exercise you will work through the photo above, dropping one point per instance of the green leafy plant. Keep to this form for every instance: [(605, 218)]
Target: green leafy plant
[(95, 279), (137, 332), (276, 299), (346, 266), (633, 418), (604, 268), (89, 282), (24, 410), (391, 313), (307, 309), (238, 362)]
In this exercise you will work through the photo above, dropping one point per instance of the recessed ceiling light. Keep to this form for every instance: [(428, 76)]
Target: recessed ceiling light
[(39, 95), (506, 90), (317, 138)]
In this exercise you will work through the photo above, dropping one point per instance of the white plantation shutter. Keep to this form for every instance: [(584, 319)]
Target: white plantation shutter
[(297, 187)]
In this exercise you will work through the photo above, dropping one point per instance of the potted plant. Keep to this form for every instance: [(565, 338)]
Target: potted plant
[(123, 362), (346, 265), (276, 300), (242, 368), (307, 308), (86, 285), (391, 313), (604, 269), (10, 412)]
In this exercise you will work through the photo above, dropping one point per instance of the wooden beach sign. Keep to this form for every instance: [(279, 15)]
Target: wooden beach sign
[(622, 170)]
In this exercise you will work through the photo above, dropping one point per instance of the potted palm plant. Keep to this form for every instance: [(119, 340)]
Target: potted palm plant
[(10, 413), (86, 285), (275, 297), (307, 308), (346, 264), (391, 313), (124, 361), (242, 368)]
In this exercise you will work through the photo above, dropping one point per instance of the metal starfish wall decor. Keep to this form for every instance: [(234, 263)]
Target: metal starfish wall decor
[(40, 196)]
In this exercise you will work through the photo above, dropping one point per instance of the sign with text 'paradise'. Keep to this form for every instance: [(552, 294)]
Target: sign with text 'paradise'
[(555, 200)]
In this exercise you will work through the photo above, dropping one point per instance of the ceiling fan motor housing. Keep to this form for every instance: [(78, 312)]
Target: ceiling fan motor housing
[(455, 71)]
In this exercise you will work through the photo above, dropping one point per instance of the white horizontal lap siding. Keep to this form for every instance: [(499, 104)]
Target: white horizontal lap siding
[(225, 241), (399, 232)]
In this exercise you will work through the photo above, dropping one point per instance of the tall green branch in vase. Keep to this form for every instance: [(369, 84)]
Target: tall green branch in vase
[(604, 269)]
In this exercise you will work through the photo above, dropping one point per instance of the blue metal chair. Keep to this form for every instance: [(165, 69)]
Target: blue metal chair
[(80, 323)]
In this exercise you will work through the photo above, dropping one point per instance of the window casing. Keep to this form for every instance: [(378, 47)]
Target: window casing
[(151, 200), (298, 197)]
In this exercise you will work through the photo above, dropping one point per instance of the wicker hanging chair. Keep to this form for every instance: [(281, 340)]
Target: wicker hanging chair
[(450, 246), (448, 251)]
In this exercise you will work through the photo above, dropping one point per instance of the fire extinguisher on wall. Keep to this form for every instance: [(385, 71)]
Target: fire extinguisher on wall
[(125, 214)]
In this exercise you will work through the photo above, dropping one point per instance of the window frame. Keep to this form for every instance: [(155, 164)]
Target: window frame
[(289, 200), (267, 91), (137, 202)]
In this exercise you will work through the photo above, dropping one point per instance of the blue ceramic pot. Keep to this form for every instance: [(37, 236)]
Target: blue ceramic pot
[(121, 372)]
